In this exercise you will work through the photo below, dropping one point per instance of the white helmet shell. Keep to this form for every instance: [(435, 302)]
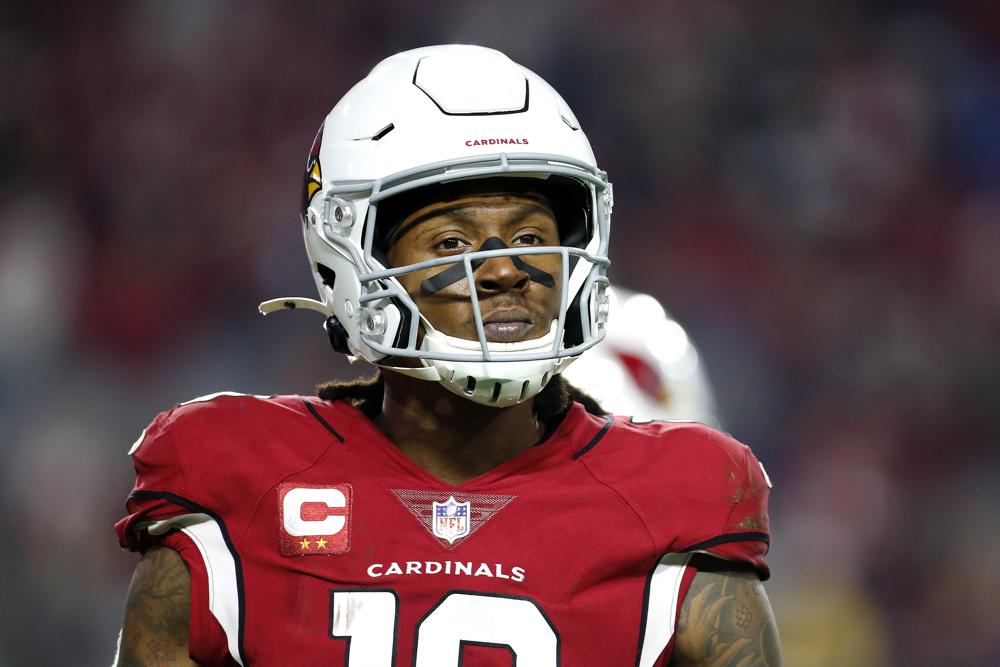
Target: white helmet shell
[(431, 116)]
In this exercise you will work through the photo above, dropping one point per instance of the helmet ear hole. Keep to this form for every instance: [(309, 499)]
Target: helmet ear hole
[(327, 274), (335, 331), (573, 331)]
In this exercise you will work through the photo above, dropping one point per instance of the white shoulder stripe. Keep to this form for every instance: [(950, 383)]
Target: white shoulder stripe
[(223, 590), (661, 607), (211, 397), (174, 523), (138, 441)]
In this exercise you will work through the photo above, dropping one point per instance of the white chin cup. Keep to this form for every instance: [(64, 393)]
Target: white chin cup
[(496, 383)]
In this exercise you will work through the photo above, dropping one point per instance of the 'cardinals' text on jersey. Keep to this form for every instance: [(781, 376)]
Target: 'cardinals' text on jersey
[(311, 540)]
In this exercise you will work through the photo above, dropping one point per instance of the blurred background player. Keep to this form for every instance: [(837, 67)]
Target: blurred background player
[(647, 366)]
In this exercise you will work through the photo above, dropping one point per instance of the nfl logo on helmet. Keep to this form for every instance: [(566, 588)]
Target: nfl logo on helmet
[(451, 519)]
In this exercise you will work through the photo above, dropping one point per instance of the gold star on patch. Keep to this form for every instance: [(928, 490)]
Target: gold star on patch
[(304, 544), (321, 543)]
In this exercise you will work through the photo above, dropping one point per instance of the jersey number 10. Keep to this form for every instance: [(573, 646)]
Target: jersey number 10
[(368, 620)]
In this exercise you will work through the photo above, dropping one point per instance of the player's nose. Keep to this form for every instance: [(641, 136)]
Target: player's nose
[(500, 274)]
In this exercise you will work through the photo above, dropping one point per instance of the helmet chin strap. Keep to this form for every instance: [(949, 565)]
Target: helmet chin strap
[(292, 303), (456, 272), (422, 373)]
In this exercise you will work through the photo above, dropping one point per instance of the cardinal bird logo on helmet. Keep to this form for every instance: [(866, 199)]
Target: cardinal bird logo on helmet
[(314, 172)]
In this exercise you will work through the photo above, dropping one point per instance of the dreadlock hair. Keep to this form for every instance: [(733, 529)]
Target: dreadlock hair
[(551, 404)]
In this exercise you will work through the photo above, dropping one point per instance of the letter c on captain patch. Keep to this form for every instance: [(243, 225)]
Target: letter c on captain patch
[(314, 519)]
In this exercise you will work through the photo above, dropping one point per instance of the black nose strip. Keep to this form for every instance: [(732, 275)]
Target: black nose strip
[(456, 272)]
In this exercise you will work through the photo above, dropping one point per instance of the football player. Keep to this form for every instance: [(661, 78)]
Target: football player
[(465, 505)]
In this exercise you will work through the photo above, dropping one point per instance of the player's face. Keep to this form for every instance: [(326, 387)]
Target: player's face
[(519, 297)]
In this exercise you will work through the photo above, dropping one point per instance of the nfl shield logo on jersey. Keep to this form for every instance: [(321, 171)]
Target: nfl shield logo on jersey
[(451, 519)]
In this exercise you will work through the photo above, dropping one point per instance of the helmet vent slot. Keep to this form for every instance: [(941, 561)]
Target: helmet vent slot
[(470, 385), (496, 392), (524, 390), (384, 131), (327, 274)]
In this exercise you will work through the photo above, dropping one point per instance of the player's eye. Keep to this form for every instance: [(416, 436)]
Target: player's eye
[(451, 244), (528, 238)]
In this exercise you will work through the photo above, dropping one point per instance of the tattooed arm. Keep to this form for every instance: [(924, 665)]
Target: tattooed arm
[(155, 630), (726, 621)]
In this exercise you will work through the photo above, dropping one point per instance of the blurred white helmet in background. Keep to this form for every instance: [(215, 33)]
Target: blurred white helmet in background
[(646, 366)]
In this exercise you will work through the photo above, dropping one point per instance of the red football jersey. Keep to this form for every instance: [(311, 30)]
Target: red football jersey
[(311, 540)]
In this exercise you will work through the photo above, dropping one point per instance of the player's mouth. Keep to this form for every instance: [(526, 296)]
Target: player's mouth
[(507, 326)]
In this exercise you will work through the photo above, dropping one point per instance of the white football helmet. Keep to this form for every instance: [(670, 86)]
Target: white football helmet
[(441, 115), (646, 366)]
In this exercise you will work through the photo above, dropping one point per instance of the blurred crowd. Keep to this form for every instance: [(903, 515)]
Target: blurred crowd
[(812, 188)]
